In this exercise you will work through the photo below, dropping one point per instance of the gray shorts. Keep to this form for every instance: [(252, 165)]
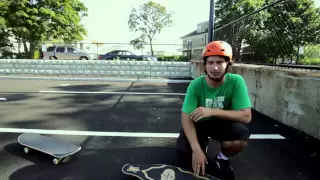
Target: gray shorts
[(217, 129)]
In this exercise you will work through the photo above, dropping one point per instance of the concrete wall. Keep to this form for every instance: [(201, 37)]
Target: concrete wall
[(95, 68), (289, 96)]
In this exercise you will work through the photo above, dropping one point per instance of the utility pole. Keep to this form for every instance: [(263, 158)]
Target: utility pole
[(211, 22)]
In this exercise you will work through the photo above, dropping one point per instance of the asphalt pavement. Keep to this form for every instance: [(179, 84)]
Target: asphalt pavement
[(120, 108)]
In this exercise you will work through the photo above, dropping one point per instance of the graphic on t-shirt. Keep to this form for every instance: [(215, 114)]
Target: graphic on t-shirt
[(217, 102)]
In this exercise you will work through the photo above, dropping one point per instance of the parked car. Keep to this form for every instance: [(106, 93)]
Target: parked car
[(124, 54), (66, 52)]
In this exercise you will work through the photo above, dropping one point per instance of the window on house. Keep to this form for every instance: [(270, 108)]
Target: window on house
[(189, 42), (199, 28)]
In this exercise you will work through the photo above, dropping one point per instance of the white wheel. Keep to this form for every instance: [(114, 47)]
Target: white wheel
[(56, 161), (26, 150)]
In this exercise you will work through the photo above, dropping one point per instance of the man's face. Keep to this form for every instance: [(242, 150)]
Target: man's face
[(216, 67)]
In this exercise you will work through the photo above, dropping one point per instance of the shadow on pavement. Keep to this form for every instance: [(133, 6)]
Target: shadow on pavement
[(33, 156), (146, 114), (15, 96), (92, 163), (101, 160), (263, 159), (84, 87), (114, 112)]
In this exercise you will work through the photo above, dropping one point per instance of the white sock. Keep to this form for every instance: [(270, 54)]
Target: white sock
[(222, 156)]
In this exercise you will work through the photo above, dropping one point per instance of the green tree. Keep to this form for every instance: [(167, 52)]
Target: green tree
[(228, 11), (5, 44), (138, 42), (149, 19), (273, 33), (294, 23), (3, 9), (34, 21)]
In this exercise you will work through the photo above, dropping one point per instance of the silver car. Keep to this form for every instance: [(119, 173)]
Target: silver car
[(66, 53)]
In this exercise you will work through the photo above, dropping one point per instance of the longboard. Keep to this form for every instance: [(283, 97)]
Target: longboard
[(59, 149), (162, 172)]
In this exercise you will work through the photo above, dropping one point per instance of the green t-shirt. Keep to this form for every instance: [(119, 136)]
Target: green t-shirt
[(231, 95)]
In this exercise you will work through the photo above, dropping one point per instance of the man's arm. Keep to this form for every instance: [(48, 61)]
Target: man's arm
[(190, 131), (243, 115), (190, 103)]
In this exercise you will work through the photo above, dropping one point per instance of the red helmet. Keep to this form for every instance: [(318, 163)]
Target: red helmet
[(217, 48)]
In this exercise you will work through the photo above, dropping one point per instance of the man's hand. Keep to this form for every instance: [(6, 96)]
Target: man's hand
[(201, 112), (199, 160)]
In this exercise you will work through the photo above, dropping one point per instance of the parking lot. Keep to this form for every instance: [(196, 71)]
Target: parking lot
[(129, 122)]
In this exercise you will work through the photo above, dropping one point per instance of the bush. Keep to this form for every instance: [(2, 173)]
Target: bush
[(310, 56), (310, 61), (312, 51), (173, 58), (36, 54)]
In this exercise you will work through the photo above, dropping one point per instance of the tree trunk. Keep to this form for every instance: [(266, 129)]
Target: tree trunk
[(151, 48), (32, 49), (19, 47), (26, 50)]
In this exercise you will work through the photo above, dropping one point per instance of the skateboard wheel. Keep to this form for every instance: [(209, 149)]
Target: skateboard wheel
[(26, 150), (56, 161)]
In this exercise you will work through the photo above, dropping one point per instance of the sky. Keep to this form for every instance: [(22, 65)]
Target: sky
[(107, 20)]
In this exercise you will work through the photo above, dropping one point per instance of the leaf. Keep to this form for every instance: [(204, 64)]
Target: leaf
[(42, 20), (274, 32), (149, 19)]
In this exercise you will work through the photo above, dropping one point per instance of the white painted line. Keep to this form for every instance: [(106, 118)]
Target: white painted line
[(266, 136), (88, 133), (3, 99), (117, 134), (64, 85), (106, 92), (119, 79)]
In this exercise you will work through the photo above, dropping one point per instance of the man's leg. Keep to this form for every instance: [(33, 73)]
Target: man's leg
[(184, 149), (234, 138)]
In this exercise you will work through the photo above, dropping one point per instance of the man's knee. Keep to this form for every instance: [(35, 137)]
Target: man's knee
[(236, 137), (231, 148), (182, 144), (238, 144), (241, 134)]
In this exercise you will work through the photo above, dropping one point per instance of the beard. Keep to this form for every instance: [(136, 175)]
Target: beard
[(217, 79)]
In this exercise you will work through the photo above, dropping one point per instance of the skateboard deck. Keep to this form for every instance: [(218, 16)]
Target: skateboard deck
[(59, 149), (162, 172)]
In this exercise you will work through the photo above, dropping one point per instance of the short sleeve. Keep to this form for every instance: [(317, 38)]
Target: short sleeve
[(190, 101), (240, 96)]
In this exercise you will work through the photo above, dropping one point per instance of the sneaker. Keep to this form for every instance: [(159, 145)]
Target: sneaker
[(225, 168)]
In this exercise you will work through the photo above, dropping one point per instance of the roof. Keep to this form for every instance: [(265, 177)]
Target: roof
[(193, 33)]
